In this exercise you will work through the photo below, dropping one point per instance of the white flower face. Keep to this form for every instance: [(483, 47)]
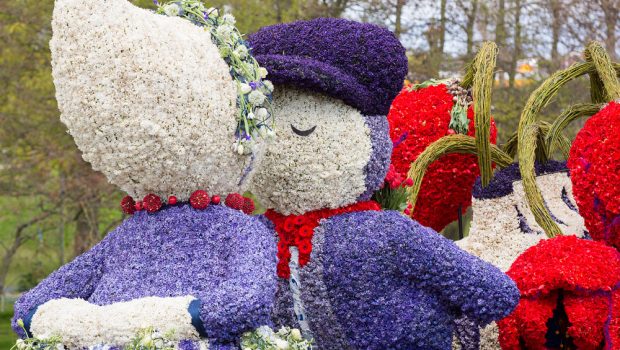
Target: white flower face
[(505, 227), (130, 93), (317, 160)]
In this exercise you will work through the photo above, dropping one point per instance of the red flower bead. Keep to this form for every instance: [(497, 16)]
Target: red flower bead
[(216, 200), (235, 201), (417, 119), (172, 200), (199, 200), (139, 206), (248, 206), (152, 203), (128, 205)]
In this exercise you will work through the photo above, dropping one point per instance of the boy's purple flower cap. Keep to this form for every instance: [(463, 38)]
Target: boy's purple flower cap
[(361, 64)]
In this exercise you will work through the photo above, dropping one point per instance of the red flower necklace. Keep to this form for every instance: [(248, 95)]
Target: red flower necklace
[(298, 230), (200, 200)]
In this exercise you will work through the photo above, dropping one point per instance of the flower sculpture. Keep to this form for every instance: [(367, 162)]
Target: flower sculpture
[(151, 103), (420, 115), (569, 297), (594, 161), (352, 276)]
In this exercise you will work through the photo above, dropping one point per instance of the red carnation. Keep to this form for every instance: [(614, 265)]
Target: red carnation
[(417, 119), (304, 246), (248, 206), (594, 162), (235, 201), (152, 203), (306, 231), (199, 200), (569, 294), (128, 205)]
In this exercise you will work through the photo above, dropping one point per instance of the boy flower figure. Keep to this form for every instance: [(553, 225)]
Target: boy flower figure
[(351, 276)]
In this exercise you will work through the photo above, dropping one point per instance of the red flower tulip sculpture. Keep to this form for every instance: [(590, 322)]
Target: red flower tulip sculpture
[(569, 297), (419, 116), (594, 165)]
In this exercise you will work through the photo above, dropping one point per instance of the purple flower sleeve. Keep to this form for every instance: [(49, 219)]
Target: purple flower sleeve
[(398, 248), (76, 279), (480, 290), (244, 300)]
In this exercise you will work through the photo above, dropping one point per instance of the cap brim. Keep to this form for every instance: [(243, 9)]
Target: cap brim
[(313, 75)]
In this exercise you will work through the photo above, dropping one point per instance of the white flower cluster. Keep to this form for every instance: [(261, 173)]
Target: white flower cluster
[(321, 168), (264, 338), (496, 234), (140, 114), (81, 324)]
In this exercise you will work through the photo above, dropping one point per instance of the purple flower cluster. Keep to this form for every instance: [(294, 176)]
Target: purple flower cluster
[(219, 255), (362, 64), (501, 184), (383, 281), (379, 162)]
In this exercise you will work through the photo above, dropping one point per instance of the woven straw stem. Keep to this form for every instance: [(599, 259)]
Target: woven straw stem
[(596, 54), (482, 89), (542, 151), (535, 199), (555, 135), (538, 100), (446, 145)]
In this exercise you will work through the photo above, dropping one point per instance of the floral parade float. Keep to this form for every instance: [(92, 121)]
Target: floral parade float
[(170, 109), (352, 276)]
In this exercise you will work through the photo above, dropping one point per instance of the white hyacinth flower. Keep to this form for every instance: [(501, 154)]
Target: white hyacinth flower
[(256, 98), (224, 31), (245, 88), (251, 116), (229, 19), (263, 72), (240, 149), (262, 113), (21, 345), (282, 344), (296, 334), (60, 347), (172, 10), (147, 341), (268, 84), (241, 52)]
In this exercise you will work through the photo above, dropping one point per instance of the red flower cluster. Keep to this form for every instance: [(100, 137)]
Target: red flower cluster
[(298, 230), (417, 119), (594, 165), (586, 274)]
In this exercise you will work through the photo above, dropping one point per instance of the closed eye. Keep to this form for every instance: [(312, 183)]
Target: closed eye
[(303, 132)]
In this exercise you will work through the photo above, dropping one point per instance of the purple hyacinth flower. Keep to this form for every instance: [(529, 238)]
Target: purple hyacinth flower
[(254, 85)]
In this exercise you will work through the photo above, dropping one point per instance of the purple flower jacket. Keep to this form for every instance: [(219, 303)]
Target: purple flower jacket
[(379, 280)]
